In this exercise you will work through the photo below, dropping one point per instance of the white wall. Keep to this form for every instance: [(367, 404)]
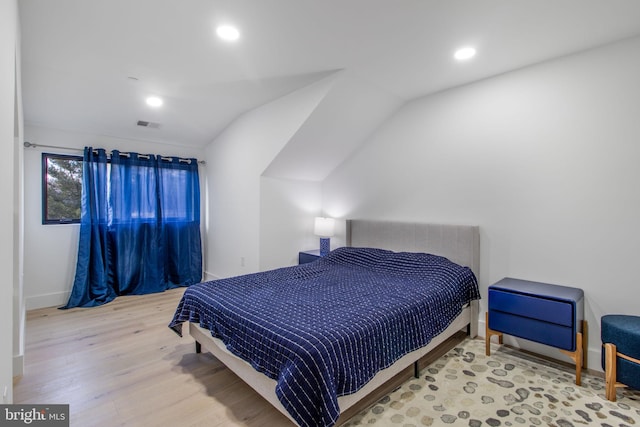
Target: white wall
[(236, 161), (9, 130), (51, 250), (287, 212), (544, 160)]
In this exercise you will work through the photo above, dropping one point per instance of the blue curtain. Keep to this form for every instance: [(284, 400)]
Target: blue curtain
[(140, 226)]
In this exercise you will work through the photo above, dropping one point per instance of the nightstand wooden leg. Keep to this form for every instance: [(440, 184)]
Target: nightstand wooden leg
[(488, 333), (585, 343), (577, 357)]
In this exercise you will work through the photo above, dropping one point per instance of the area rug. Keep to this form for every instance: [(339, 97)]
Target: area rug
[(509, 388)]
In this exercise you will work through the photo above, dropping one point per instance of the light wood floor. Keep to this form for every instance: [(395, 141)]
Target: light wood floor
[(120, 365)]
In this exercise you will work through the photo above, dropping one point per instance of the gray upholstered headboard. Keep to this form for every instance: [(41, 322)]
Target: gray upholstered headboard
[(459, 243)]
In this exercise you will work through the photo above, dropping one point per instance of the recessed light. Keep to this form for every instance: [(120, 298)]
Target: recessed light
[(228, 33), (465, 53), (154, 101)]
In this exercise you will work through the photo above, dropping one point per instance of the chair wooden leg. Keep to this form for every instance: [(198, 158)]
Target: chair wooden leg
[(610, 371)]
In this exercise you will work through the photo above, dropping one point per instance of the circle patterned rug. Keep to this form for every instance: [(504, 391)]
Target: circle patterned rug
[(509, 388)]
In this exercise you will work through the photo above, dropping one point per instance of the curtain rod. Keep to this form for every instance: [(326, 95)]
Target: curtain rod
[(28, 144)]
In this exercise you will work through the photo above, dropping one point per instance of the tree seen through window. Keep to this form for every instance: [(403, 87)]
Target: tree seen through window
[(62, 188)]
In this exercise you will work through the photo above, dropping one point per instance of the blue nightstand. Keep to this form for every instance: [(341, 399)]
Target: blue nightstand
[(540, 312), (308, 256)]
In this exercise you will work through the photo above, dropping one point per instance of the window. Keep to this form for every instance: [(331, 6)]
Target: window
[(61, 188)]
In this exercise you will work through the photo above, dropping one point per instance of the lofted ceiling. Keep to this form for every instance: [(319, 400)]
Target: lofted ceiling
[(88, 65)]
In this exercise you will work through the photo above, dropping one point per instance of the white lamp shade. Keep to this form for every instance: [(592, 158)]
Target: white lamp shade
[(324, 227)]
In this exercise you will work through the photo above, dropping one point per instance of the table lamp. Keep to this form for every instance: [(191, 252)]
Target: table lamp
[(324, 228)]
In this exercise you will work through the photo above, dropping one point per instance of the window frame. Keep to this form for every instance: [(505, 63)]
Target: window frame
[(45, 187)]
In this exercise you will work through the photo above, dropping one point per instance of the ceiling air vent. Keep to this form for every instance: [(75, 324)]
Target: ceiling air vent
[(146, 124)]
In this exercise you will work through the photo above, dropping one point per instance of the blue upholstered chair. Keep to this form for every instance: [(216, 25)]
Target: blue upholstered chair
[(621, 352)]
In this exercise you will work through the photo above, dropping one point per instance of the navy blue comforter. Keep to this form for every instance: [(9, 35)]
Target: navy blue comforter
[(324, 329)]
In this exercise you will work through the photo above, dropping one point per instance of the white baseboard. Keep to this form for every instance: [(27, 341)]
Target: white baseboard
[(593, 356), (57, 299), (209, 276)]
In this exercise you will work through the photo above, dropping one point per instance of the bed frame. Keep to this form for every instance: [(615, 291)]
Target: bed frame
[(460, 244)]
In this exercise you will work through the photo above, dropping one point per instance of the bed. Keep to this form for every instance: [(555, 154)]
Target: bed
[(303, 336)]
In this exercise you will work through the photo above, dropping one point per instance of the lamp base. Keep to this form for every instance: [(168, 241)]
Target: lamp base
[(325, 246)]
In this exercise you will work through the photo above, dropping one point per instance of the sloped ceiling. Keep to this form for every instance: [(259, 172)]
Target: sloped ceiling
[(349, 112), (89, 64)]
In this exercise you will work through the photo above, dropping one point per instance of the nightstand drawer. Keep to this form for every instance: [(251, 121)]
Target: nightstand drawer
[(540, 308), (532, 329)]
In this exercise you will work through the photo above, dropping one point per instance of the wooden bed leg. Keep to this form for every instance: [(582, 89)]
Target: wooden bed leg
[(416, 369), (198, 347)]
